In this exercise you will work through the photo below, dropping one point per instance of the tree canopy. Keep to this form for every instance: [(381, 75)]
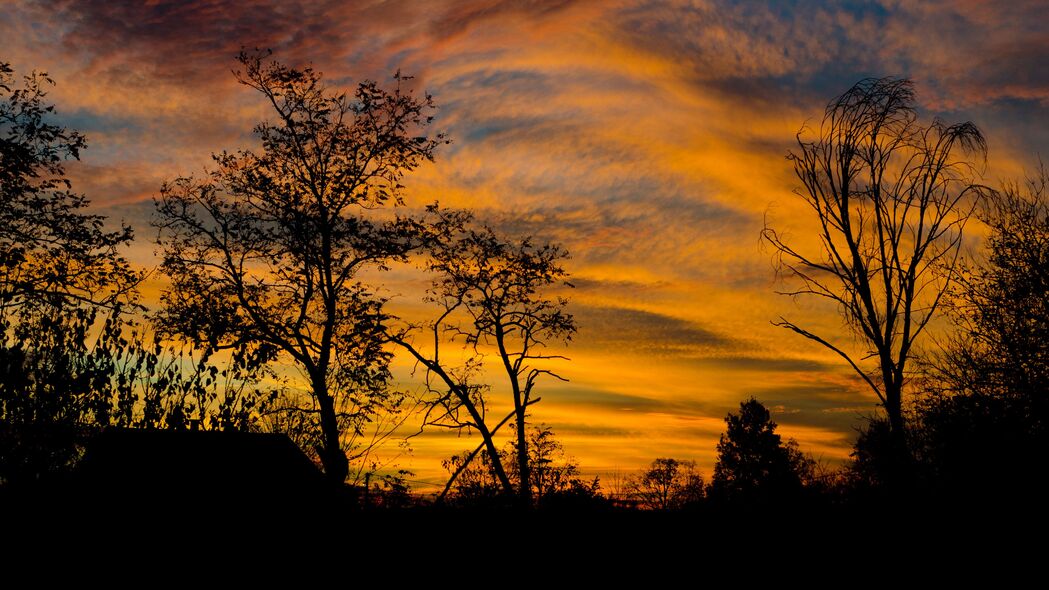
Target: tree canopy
[(52, 251), (266, 251)]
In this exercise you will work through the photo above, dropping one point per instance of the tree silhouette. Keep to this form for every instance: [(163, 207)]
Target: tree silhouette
[(549, 469), (987, 400), (999, 306), (60, 270), (52, 252), (555, 477), (266, 251), (753, 464), (667, 484), (492, 294), (474, 480), (890, 198)]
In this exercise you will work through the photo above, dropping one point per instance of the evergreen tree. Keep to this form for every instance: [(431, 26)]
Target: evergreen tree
[(754, 464)]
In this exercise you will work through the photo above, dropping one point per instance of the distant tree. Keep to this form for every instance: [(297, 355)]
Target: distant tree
[(492, 293), (474, 481), (266, 252), (549, 469), (890, 197), (555, 477), (753, 463), (667, 484), (389, 491)]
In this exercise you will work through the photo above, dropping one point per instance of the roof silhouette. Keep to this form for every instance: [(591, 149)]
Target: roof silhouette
[(165, 462)]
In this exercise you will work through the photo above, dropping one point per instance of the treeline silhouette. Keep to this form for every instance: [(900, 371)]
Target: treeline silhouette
[(264, 258)]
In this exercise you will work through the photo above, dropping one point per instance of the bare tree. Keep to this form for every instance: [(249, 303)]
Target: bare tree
[(266, 250), (891, 197), (491, 292)]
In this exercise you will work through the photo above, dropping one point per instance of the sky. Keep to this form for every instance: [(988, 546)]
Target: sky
[(648, 138)]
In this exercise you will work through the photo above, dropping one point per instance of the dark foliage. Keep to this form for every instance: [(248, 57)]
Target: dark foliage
[(983, 448), (73, 357), (878, 469), (754, 465), (60, 270), (984, 421), (668, 484), (1001, 346), (53, 254)]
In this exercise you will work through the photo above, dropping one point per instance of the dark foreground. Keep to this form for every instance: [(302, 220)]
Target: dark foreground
[(278, 533)]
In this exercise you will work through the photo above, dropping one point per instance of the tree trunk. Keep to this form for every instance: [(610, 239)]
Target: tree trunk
[(900, 476), (336, 465), (525, 485)]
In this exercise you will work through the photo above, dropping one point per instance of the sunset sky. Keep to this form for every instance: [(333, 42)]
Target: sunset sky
[(647, 137)]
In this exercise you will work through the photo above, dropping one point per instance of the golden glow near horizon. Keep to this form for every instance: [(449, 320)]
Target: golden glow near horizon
[(647, 137)]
